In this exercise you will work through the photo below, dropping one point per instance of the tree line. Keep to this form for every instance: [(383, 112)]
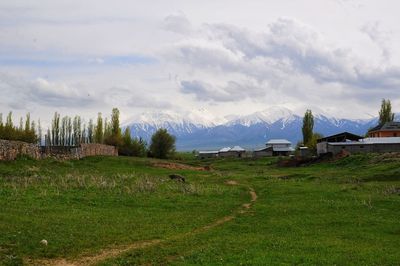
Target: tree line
[(72, 131), (25, 131)]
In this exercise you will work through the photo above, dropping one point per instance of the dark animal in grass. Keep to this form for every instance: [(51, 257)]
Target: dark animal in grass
[(177, 177)]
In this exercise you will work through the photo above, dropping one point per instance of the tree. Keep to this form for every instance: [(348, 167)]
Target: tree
[(385, 114), (112, 135), (8, 131), (312, 144), (64, 132), (28, 123), (55, 130), (115, 129), (77, 128), (162, 144), (307, 129), (69, 132), (126, 147), (98, 134), (39, 130), (90, 131), (139, 147), (132, 146)]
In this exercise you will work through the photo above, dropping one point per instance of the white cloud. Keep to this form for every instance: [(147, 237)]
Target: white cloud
[(178, 24)]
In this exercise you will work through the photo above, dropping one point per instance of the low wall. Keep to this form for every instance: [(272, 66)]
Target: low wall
[(84, 150), (97, 149), (10, 150), (61, 152)]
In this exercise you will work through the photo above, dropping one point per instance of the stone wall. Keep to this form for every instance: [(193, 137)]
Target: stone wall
[(97, 149), (61, 152), (84, 150), (10, 150)]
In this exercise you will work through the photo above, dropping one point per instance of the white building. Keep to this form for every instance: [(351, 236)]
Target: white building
[(275, 147)]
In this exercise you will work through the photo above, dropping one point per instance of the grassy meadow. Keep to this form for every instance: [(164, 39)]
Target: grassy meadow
[(344, 212)]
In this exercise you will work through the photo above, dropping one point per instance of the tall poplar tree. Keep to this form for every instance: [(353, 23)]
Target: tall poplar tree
[(385, 114), (90, 131), (308, 126), (98, 135)]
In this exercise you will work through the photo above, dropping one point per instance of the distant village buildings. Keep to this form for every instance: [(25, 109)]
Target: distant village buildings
[(226, 152), (274, 147), (380, 139)]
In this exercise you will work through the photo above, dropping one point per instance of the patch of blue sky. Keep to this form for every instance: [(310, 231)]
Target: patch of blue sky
[(129, 60), (78, 62)]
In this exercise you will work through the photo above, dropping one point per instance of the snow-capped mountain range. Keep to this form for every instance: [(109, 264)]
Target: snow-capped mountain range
[(199, 129)]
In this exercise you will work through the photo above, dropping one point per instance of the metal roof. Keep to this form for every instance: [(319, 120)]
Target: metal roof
[(341, 137), (208, 152), (381, 140), (369, 141), (278, 141), (283, 149), (225, 149), (237, 148)]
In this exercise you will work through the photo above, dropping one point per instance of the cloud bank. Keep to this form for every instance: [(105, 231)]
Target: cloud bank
[(179, 56)]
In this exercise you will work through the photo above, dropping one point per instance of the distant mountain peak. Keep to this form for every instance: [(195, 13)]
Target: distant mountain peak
[(200, 129), (267, 116)]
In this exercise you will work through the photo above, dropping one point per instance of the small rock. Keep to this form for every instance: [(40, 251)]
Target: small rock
[(177, 177), (44, 242)]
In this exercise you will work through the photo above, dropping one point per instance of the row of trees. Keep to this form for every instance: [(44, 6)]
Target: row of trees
[(71, 131), (26, 131), (310, 137)]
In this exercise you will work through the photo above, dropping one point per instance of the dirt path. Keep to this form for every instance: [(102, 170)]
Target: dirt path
[(93, 259), (117, 251)]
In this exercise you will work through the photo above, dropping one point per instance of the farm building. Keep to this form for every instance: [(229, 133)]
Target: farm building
[(275, 147), (323, 143), (366, 145), (389, 129), (341, 137), (236, 151), (207, 154)]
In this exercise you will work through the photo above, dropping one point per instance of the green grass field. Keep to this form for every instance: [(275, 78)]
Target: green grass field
[(126, 211)]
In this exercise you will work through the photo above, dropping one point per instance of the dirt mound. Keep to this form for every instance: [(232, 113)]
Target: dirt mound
[(179, 166), (342, 154)]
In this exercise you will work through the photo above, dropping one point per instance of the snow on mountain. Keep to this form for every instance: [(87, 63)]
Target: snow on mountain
[(267, 116)]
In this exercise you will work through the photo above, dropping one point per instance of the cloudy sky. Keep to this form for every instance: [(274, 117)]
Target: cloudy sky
[(340, 57)]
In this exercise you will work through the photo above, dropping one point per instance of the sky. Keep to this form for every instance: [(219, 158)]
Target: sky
[(338, 57)]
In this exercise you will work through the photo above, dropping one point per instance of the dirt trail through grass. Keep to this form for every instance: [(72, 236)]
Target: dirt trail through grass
[(117, 251)]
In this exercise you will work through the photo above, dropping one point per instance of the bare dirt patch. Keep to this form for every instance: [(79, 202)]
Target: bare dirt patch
[(178, 166), (231, 183)]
